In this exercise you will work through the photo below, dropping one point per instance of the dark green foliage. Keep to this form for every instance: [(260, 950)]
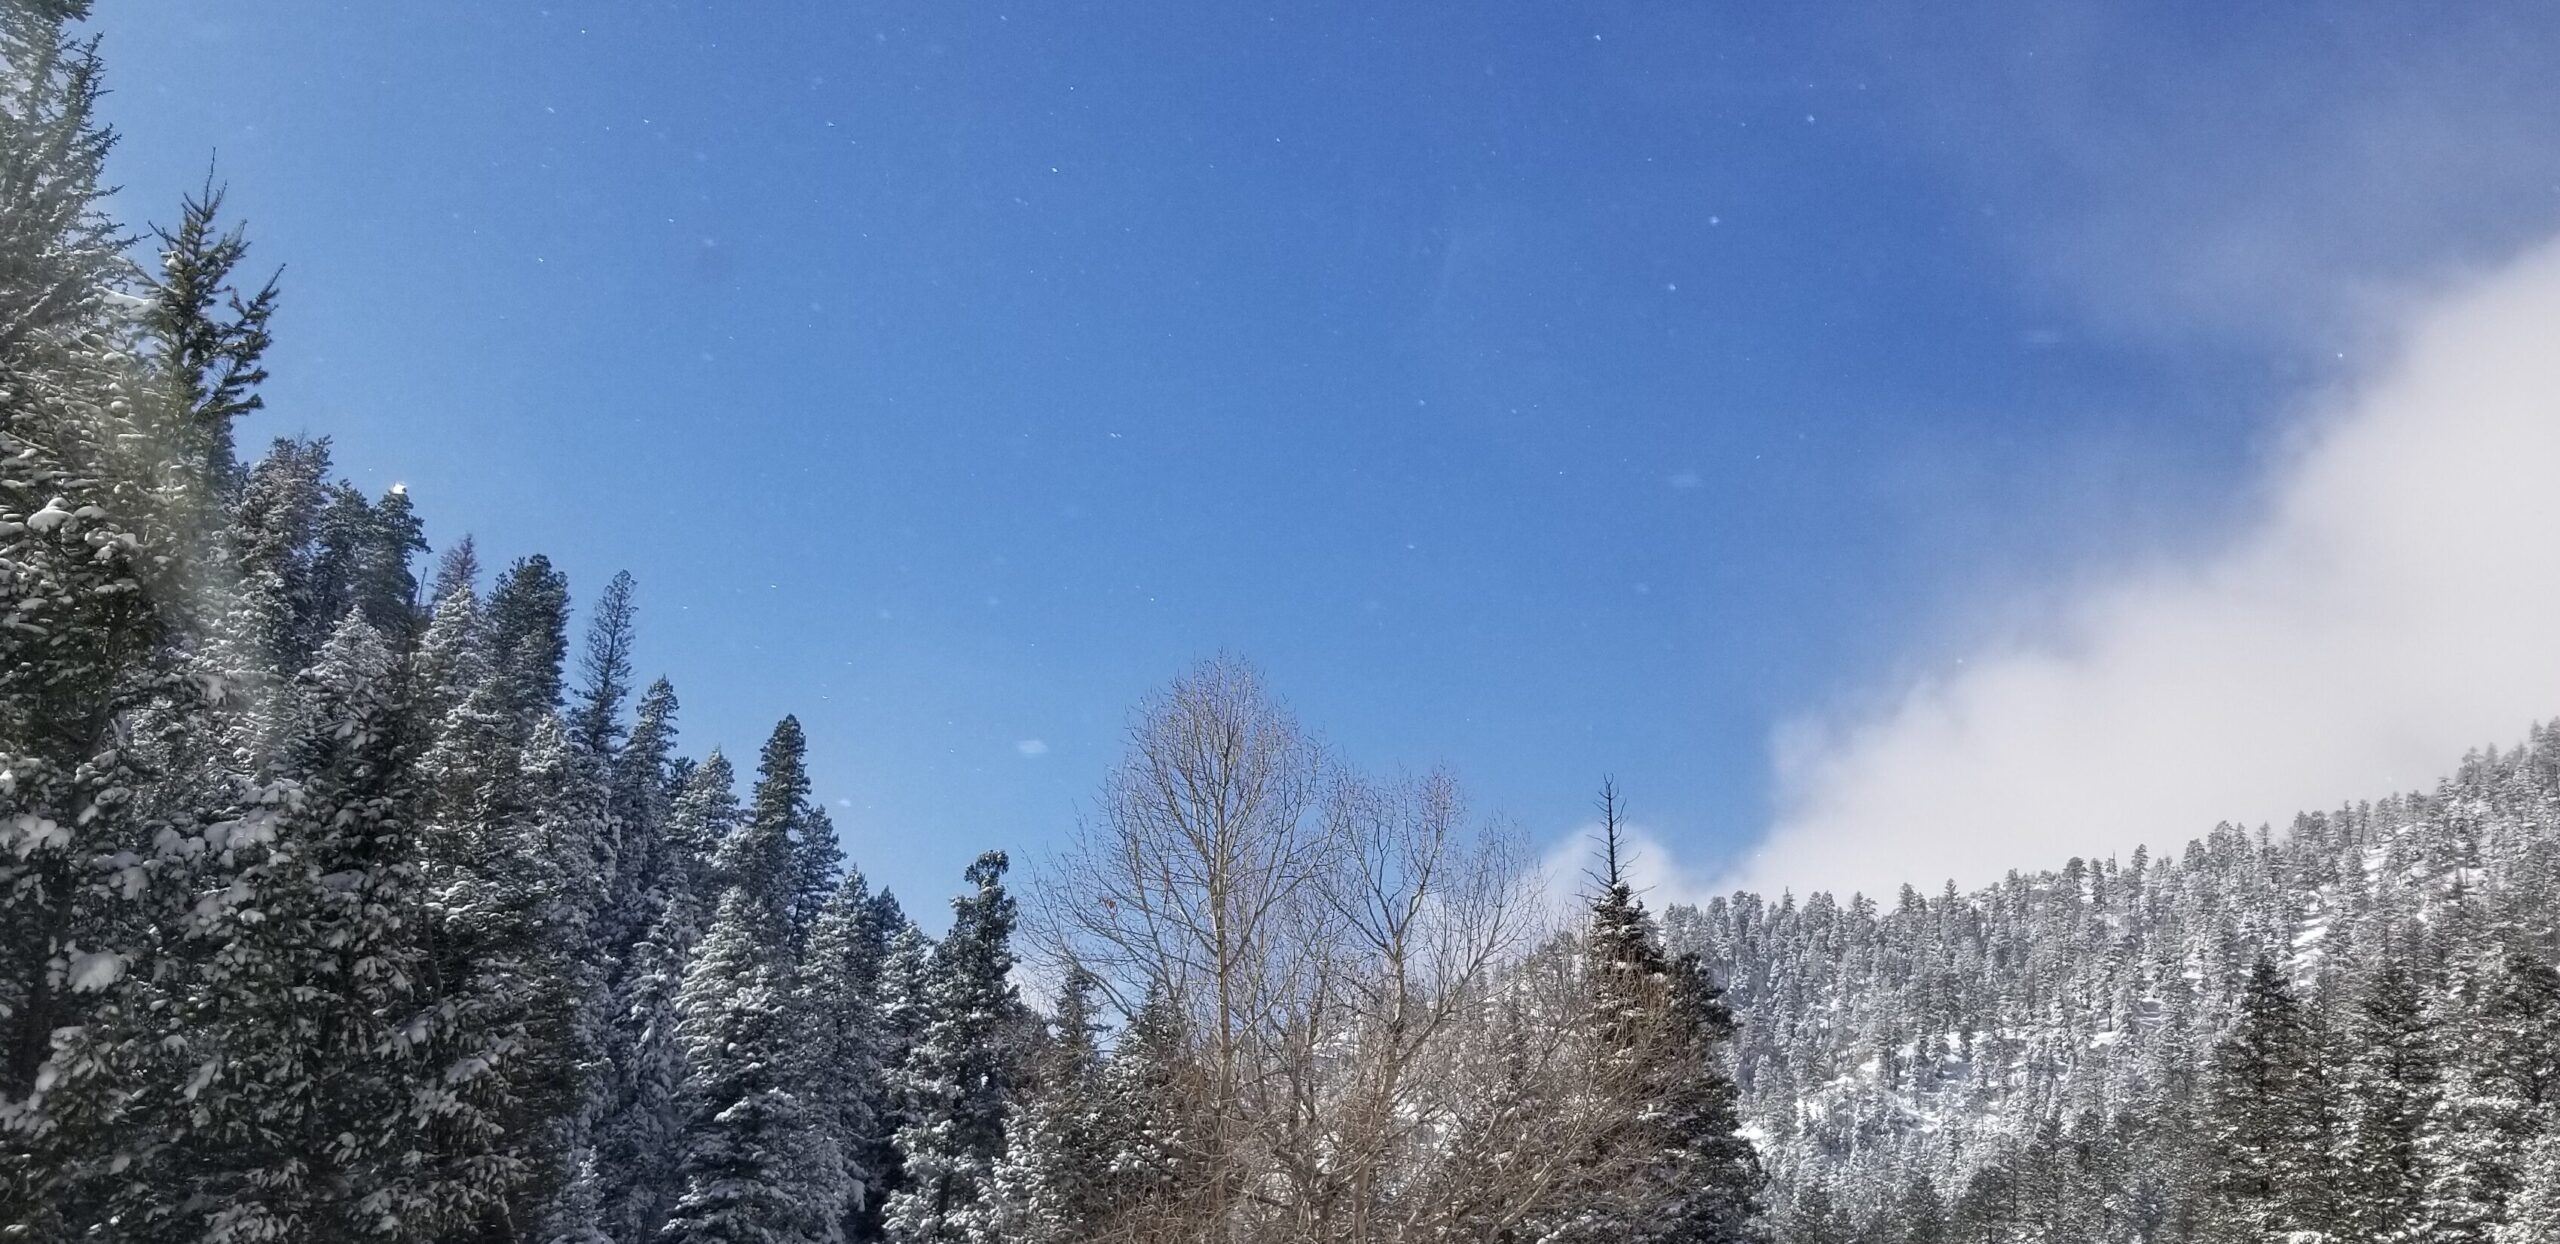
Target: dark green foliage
[(212, 337), (528, 638), (595, 725)]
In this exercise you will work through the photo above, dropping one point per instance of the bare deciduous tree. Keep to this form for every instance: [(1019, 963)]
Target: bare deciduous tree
[(1393, 1041)]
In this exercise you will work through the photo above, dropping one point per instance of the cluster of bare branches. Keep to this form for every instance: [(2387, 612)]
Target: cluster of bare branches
[(1391, 1031)]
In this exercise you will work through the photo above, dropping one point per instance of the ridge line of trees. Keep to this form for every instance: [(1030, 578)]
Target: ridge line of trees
[(340, 906)]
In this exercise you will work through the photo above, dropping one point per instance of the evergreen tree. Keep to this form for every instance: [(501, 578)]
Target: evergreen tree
[(302, 1042), (595, 725), (1055, 1184), (211, 339), (839, 1003), (641, 1143), (1920, 1214), (749, 1144), (2390, 1086), (1815, 1219), (761, 857), (2469, 1149), (1149, 1134), (1662, 1027), (384, 586), (272, 542), (905, 1003), (457, 569), (528, 621), (569, 994), (101, 824), (958, 1081), (817, 867), (2533, 1214), (2498, 1097), (2265, 1136)]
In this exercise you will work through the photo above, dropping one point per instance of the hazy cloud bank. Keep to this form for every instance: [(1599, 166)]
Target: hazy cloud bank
[(2396, 603)]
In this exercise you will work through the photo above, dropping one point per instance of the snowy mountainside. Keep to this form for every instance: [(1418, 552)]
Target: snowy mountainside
[(1935, 1034)]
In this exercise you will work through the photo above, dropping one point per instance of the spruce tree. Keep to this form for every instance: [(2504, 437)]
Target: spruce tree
[(1661, 1027), (817, 868), (569, 992), (298, 1053), (2498, 1095), (841, 1072), (2264, 1135), (957, 1084), (1150, 1134), (99, 510), (761, 856), (1920, 1214), (528, 623), (595, 724), (211, 338), (905, 1004), (2533, 1214), (1055, 1183), (2390, 1086), (641, 1143), (749, 1146), (457, 569), (272, 610), (384, 585)]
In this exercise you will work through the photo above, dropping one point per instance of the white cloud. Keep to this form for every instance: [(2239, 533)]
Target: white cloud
[(1032, 748), (1657, 876), (2395, 603)]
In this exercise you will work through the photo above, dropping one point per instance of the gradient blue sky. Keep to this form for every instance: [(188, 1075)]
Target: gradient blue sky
[(1543, 389)]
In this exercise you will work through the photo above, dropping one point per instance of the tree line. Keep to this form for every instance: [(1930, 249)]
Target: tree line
[(2346, 1033), (342, 898)]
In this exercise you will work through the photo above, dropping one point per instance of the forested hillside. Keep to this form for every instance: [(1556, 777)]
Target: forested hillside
[(343, 897), (2347, 1032), (338, 905)]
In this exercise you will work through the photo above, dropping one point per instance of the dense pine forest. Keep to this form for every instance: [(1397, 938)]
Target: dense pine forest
[(2350, 1032), (345, 897)]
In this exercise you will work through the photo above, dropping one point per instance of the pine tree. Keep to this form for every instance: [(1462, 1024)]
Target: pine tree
[(2469, 1150), (749, 1145), (595, 725), (97, 509), (457, 569), (1055, 1183), (2533, 1214), (1920, 1214), (314, 1043), (760, 857), (528, 622), (2495, 1094), (1815, 1219), (2390, 1085), (641, 1144), (958, 1081), (905, 1004), (1661, 1026), (270, 542), (839, 1004), (570, 991), (817, 868), (642, 790), (384, 586), (516, 859), (212, 340), (2266, 1142), (1150, 1136)]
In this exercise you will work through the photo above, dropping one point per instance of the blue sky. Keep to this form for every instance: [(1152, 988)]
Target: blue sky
[(1543, 390)]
